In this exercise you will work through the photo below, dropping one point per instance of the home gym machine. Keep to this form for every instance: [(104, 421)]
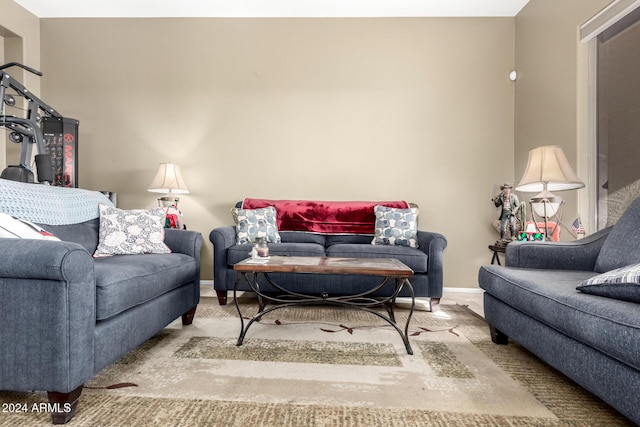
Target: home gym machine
[(54, 136)]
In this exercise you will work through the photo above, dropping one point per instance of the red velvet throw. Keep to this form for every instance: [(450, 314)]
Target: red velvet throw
[(323, 217)]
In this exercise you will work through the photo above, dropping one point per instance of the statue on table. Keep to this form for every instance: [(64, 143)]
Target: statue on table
[(510, 206)]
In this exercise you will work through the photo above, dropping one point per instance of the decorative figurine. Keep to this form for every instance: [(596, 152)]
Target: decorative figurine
[(173, 218), (510, 205)]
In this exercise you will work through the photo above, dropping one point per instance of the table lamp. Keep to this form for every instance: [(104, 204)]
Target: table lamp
[(168, 180), (548, 170)]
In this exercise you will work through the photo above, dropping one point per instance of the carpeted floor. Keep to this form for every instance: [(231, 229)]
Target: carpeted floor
[(323, 366)]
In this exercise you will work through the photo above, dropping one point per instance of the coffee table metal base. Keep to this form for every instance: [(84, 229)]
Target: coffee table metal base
[(363, 301)]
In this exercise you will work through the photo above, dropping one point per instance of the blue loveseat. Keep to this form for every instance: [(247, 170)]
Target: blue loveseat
[(426, 261), (593, 338), (66, 315)]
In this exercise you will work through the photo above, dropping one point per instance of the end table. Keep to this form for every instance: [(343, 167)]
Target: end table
[(496, 250)]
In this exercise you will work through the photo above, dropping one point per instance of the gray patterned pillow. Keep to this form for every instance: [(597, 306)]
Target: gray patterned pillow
[(252, 224), (131, 232), (622, 283), (395, 226)]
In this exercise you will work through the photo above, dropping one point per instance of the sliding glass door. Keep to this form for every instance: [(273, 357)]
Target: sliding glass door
[(618, 118)]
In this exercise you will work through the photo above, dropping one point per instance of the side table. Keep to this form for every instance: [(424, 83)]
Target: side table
[(496, 250)]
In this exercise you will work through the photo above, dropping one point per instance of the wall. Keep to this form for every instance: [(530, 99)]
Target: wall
[(20, 38), (320, 107), (552, 91), (333, 109)]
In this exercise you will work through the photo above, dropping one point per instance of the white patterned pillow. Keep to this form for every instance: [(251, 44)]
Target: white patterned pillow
[(252, 224), (16, 228), (131, 232), (395, 226), (622, 283)]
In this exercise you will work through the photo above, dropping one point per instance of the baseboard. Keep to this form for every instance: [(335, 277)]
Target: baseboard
[(206, 288), (463, 290)]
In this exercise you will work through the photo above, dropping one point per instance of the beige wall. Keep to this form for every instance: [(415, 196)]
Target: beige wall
[(418, 109), (552, 90), (334, 109), (20, 38)]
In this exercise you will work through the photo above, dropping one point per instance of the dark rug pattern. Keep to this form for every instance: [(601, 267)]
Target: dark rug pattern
[(292, 351), (442, 359)]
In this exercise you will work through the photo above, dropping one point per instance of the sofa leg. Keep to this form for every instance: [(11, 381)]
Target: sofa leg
[(222, 297), (63, 405), (187, 318), (497, 336), (434, 304)]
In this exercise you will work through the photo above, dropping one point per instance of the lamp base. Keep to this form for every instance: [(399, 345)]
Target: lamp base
[(546, 215), (167, 201)]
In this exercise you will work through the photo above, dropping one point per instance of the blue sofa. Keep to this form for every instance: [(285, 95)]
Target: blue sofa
[(66, 315), (426, 261), (594, 339)]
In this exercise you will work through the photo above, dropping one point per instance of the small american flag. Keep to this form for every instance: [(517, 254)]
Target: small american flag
[(577, 226)]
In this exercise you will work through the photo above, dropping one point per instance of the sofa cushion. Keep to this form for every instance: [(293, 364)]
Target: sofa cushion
[(621, 283), (252, 224), (302, 237), (237, 253), (622, 246), (83, 233), (413, 258), (550, 296), (338, 239), (132, 232), (125, 281), (396, 226)]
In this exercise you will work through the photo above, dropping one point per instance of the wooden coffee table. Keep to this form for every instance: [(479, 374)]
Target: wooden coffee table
[(249, 271)]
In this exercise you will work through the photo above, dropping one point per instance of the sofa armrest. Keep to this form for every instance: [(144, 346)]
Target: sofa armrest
[(222, 239), (434, 244), (47, 313), (39, 259), (186, 242), (575, 255)]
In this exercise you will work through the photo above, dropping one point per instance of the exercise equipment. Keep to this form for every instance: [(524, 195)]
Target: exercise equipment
[(27, 130)]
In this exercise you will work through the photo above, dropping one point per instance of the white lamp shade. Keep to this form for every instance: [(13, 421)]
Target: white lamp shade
[(548, 169), (168, 180)]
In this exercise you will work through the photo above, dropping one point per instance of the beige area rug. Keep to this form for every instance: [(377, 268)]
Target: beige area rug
[(324, 366)]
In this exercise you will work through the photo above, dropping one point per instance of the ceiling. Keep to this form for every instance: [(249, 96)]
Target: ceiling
[(271, 8)]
